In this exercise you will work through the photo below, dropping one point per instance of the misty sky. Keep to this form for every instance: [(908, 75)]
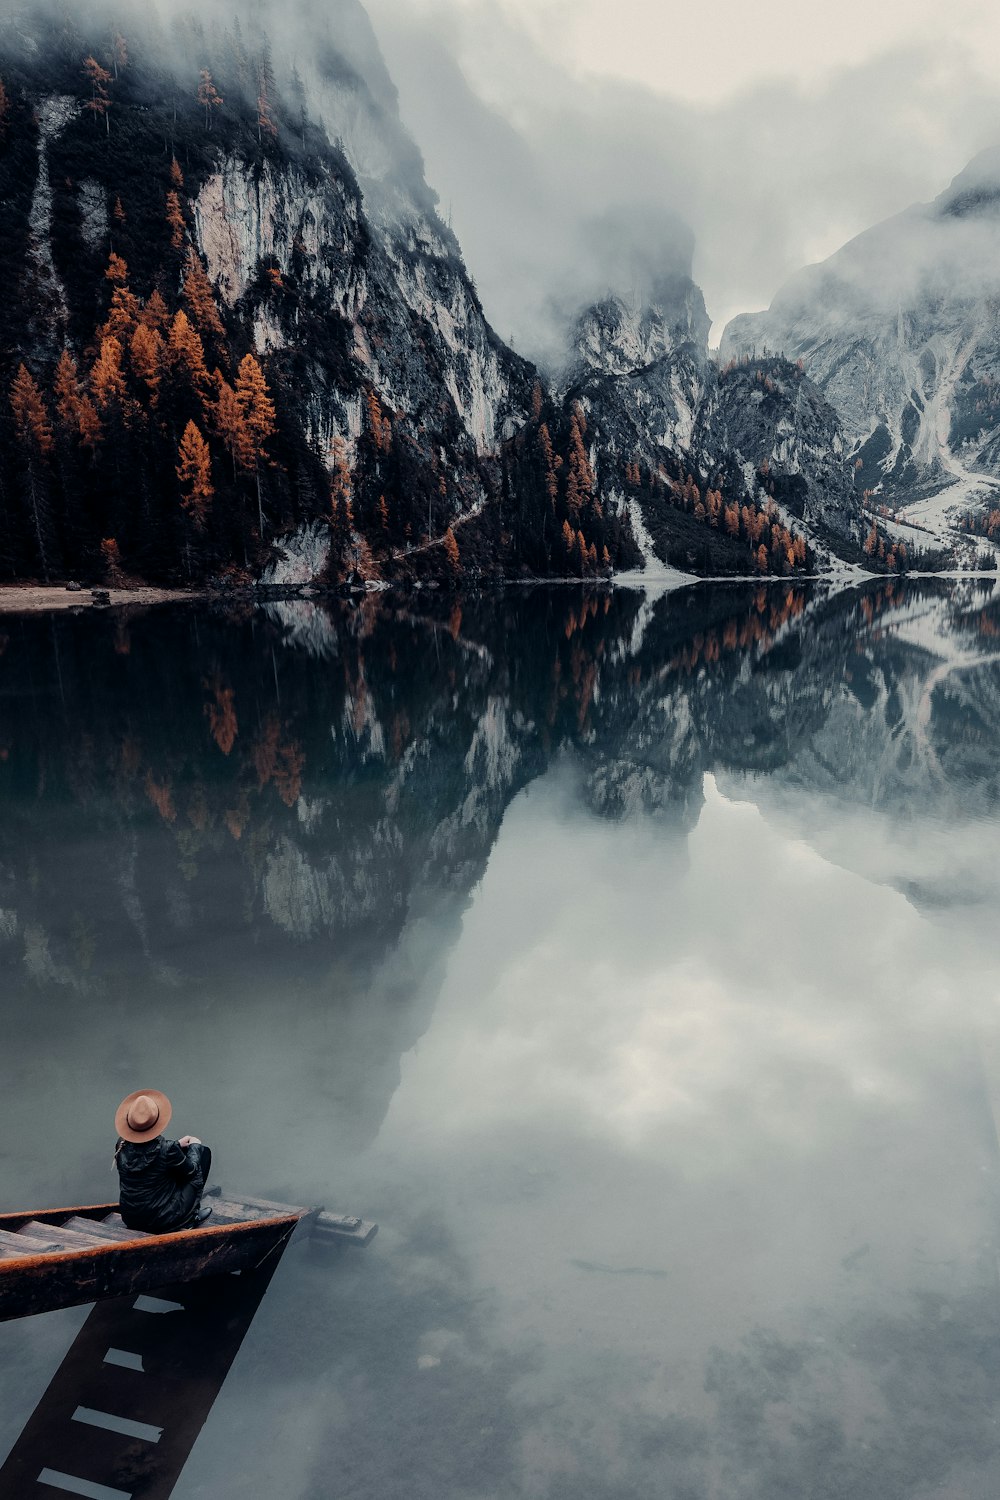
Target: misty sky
[(776, 131)]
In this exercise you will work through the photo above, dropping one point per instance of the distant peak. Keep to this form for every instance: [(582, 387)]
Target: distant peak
[(976, 188)]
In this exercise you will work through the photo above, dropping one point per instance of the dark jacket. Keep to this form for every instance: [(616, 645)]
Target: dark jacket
[(159, 1184)]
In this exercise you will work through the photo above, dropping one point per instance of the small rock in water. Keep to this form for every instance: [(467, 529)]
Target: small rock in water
[(100, 598)]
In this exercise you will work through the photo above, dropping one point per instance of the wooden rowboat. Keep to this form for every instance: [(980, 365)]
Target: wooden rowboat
[(65, 1257)]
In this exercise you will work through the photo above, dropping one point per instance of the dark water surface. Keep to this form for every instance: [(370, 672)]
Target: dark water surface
[(634, 962)]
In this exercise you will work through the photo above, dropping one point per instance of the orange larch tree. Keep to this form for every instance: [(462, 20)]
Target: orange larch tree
[(186, 356), (75, 409), (148, 354), (200, 299), (123, 314), (381, 427), (155, 313), (580, 480), (31, 420), (258, 413), (228, 420), (106, 379), (119, 53), (194, 471), (257, 410), (208, 96), (175, 219), (550, 462), (99, 102), (451, 552)]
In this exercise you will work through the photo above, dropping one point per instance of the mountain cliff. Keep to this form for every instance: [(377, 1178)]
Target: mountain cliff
[(729, 470), (241, 342), (899, 329)]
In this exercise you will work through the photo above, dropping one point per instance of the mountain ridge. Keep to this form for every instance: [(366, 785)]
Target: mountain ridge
[(243, 337)]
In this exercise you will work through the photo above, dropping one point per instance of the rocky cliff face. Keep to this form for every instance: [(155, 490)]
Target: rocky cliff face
[(177, 210), (327, 262), (899, 329), (667, 422)]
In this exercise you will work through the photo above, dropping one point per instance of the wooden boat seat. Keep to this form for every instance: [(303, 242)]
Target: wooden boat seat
[(67, 1239), (105, 1230), (13, 1244)]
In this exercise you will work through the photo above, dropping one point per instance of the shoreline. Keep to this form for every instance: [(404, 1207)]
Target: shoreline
[(29, 599), (25, 599)]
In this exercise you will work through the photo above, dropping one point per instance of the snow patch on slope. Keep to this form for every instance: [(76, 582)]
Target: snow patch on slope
[(54, 115)]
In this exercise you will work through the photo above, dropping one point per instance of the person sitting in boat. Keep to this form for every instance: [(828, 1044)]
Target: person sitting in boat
[(160, 1181)]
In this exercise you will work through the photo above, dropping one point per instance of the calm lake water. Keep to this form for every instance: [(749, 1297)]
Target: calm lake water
[(634, 962)]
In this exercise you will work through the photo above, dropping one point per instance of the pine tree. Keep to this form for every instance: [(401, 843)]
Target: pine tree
[(67, 388), (148, 355), (31, 420), (580, 481), (194, 471), (340, 480), (200, 298), (100, 99), (34, 432), (119, 53), (4, 110), (265, 88), (549, 462), (106, 379), (257, 411), (155, 313), (228, 420), (186, 356), (451, 553), (175, 219), (381, 427), (76, 411), (208, 96), (123, 314)]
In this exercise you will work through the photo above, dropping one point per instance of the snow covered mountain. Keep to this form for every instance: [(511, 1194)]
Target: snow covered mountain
[(670, 429), (900, 329)]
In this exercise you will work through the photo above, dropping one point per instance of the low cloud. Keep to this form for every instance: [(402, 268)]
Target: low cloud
[(527, 156)]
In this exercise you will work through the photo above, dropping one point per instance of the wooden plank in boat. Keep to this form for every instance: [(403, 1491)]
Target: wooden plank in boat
[(100, 1229), (13, 1221), (71, 1239), (121, 1230), (26, 1244)]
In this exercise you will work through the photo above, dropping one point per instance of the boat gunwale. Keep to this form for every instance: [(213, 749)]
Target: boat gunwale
[(146, 1240)]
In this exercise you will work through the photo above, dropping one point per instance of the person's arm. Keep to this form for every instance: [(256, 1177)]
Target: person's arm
[(177, 1162)]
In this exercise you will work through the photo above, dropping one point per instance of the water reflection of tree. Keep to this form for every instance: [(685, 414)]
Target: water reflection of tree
[(313, 799)]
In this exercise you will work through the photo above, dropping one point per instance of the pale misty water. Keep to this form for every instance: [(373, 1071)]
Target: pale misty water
[(634, 963)]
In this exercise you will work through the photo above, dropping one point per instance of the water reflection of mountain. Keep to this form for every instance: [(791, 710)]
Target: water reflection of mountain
[(299, 803)]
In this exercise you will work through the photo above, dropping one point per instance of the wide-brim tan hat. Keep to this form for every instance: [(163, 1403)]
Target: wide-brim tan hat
[(143, 1115)]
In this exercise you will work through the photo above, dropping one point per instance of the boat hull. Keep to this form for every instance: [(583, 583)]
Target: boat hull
[(44, 1282)]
